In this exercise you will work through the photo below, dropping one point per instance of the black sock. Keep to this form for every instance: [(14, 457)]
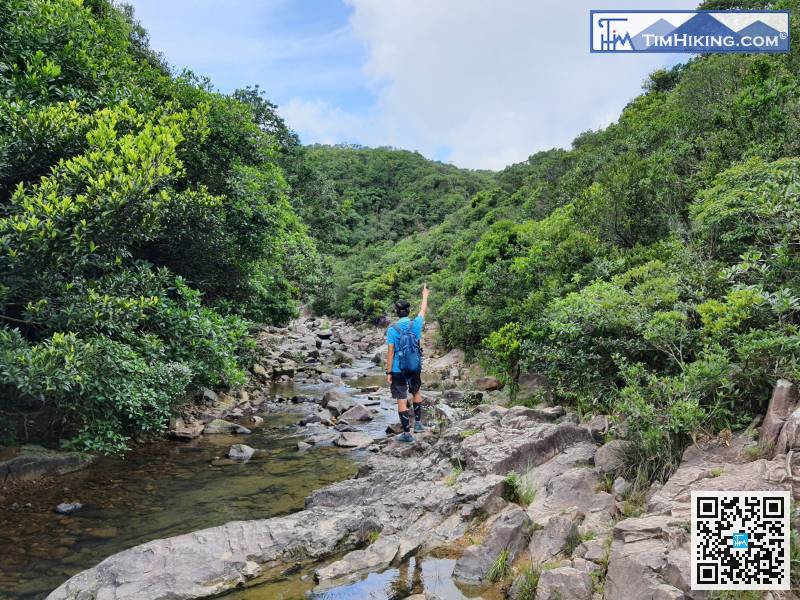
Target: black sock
[(418, 411), (404, 420)]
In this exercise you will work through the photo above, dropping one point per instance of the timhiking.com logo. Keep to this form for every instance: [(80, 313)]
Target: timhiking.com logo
[(689, 31)]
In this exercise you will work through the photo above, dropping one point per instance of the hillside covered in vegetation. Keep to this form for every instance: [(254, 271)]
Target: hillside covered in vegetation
[(149, 223), (651, 271)]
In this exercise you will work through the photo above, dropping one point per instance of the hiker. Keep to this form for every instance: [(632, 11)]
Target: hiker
[(404, 363)]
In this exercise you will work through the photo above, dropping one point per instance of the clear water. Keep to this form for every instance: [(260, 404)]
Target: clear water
[(413, 576), (164, 489)]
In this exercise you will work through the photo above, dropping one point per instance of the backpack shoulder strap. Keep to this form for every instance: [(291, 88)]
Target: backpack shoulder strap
[(397, 328)]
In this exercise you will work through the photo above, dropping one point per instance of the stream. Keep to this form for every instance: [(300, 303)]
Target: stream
[(168, 488)]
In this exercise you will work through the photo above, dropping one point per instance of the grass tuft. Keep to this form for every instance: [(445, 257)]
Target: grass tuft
[(519, 489), (500, 567)]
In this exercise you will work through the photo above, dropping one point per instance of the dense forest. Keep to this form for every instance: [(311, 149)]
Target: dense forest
[(148, 224)]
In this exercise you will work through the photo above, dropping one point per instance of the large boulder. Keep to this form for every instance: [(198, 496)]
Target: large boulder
[(509, 531), (33, 462), (783, 403)]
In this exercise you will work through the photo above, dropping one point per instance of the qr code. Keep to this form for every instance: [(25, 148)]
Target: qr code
[(740, 540)]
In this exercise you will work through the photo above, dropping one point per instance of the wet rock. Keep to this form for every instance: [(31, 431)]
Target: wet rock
[(552, 538), (509, 531), (356, 413), (344, 426), (352, 439), (369, 389), (783, 403), (325, 334), (34, 462), (67, 508), (180, 430), (331, 378), (565, 583), (376, 556), (338, 407), (303, 446), (255, 420), (241, 452), (394, 429), (220, 426), (488, 384), (609, 456), (343, 358)]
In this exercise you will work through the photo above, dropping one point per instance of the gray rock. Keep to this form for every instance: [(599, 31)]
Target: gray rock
[(783, 403), (219, 426), (487, 384), (509, 531), (343, 358), (789, 437), (376, 556), (352, 439), (595, 550), (180, 430), (609, 456), (241, 452), (620, 487), (343, 426), (598, 426), (356, 413), (209, 396), (647, 553), (566, 583), (303, 446), (552, 539), (67, 508), (33, 462), (260, 372), (338, 407)]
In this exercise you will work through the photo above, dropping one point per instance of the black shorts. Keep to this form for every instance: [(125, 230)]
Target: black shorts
[(405, 383)]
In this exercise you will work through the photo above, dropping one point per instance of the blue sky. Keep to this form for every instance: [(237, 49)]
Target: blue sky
[(480, 84)]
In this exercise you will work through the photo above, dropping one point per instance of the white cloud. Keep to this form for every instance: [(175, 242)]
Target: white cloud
[(493, 81), (320, 122)]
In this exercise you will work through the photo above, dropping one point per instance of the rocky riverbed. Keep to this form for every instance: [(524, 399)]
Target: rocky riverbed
[(485, 495)]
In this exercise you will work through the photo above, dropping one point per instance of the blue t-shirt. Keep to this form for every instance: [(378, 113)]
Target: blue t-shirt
[(392, 335)]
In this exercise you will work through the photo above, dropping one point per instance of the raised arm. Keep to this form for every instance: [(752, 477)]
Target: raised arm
[(424, 306)]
